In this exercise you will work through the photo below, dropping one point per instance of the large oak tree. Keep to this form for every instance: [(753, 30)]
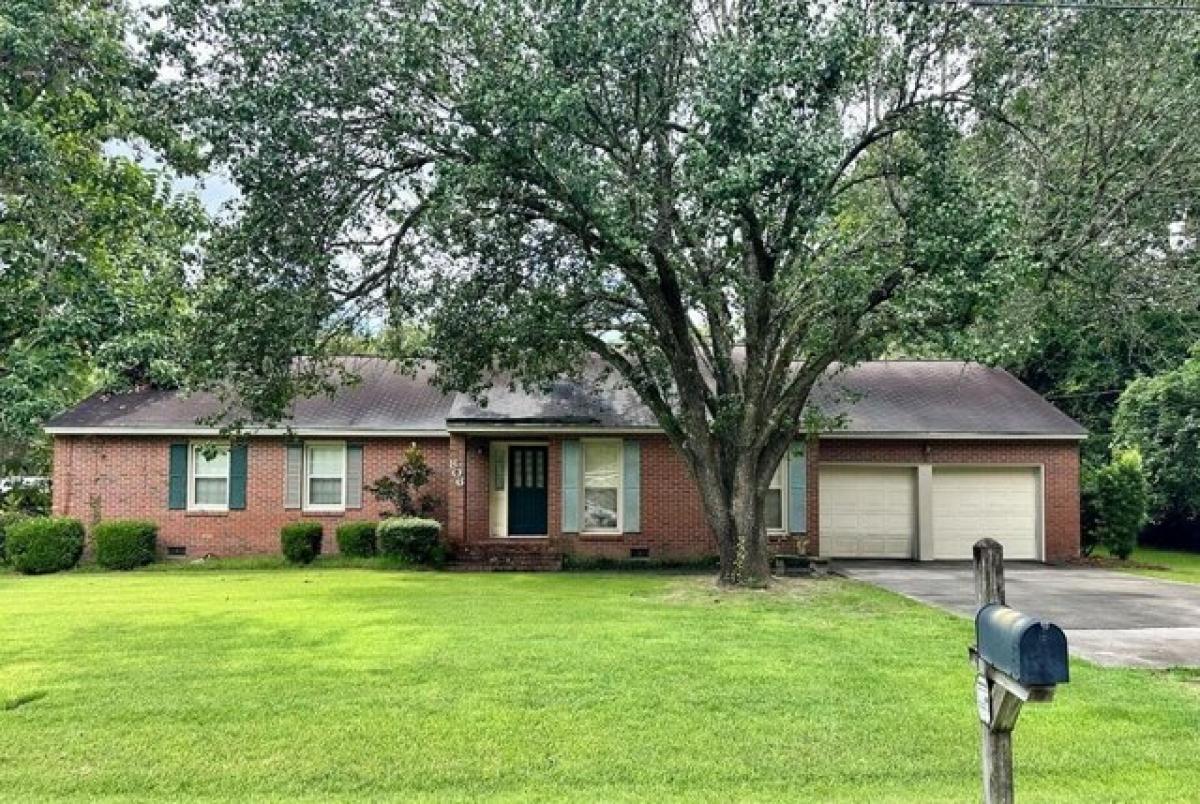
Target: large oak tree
[(721, 200)]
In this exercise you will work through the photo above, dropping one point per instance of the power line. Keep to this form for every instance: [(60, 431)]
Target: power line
[(1055, 5)]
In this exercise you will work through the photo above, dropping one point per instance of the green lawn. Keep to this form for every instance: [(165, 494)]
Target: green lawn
[(1169, 565), (333, 684)]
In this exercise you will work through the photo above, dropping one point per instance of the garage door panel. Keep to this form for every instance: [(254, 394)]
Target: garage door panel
[(867, 511), (973, 503)]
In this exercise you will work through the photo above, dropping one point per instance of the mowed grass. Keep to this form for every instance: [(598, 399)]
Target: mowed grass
[(1168, 565), (335, 684)]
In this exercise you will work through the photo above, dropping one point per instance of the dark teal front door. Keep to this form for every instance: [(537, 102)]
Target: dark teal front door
[(526, 491)]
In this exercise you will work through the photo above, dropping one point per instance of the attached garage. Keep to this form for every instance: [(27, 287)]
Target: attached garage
[(928, 512), (868, 511), (971, 503)]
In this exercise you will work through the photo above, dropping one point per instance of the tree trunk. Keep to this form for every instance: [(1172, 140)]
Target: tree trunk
[(734, 507)]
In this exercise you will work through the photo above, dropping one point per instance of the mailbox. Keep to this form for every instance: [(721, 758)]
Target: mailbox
[(1030, 651)]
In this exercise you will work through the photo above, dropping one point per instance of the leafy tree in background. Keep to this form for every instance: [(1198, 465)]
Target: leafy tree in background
[(1103, 160), (1160, 417), (93, 249)]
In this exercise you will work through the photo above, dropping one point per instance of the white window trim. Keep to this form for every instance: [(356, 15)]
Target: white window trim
[(620, 528), (784, 482), (498, 498), (306, 477), (192, 505)]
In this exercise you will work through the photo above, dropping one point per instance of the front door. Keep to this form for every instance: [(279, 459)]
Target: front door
[(527, 491)]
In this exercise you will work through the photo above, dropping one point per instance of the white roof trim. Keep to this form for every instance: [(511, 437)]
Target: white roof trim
[(943, 436), (510, 429), (526, 429), (303, 432)]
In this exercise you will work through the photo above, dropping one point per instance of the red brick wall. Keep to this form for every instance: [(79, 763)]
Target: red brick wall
[(1060, 460), (105, 477)]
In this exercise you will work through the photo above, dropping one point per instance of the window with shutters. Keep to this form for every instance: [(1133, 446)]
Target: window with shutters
[(776, 504), (208, 477), (324, 476), (602, 486)]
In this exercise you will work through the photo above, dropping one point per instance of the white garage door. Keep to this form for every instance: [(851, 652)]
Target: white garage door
[(868, 511), (971, 504)]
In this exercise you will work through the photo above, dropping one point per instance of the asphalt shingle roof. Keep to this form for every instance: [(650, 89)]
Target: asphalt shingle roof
[(938, 396), (882, 397)]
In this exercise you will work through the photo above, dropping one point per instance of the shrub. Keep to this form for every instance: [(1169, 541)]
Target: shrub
[(1088, 512), (356, 539), (45, 544), (1122, 498), (123, 544), (411, 539), (7, 520), (301, 541), (402, 488), (30, 499), (1157, 416)]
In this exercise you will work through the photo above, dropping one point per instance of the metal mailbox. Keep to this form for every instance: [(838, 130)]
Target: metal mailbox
[(1029, 650)]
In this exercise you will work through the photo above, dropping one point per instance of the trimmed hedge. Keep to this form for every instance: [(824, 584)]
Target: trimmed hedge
[(356, 539), (45, 544), (123, 544), (301, 541), (411, 539), (7, 520)]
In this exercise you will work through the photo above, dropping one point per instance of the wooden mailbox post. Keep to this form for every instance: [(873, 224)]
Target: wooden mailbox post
[(1019, 660)]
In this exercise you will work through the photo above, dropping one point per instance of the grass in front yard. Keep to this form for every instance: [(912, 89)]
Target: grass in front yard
[(328, 684), (1167, 565)]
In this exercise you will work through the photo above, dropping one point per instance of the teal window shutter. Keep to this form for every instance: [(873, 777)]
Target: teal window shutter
[(797, 489), (631, 487), (570, 486), (237, 477), (354, 476), (177, 474)]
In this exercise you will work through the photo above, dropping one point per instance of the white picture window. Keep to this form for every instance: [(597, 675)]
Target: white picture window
[(601, 486), (208, 487), (325, 476), (776, 498)]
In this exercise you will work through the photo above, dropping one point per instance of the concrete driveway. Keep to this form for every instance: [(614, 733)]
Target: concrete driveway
[(1111, 618)]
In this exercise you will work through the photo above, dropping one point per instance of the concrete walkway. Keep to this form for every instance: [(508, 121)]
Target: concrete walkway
[(1111, 618)]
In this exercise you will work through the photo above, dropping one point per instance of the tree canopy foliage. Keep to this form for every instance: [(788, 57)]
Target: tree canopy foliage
[(1160, 416), (93, 248)]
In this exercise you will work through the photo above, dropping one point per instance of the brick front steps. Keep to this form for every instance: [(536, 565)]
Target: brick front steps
[(505, 557)]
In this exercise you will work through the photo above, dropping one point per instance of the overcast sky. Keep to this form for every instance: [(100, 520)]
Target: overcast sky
[(214, 190)]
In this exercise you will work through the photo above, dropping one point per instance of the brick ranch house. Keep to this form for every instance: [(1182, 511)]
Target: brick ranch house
[(933, 455)]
